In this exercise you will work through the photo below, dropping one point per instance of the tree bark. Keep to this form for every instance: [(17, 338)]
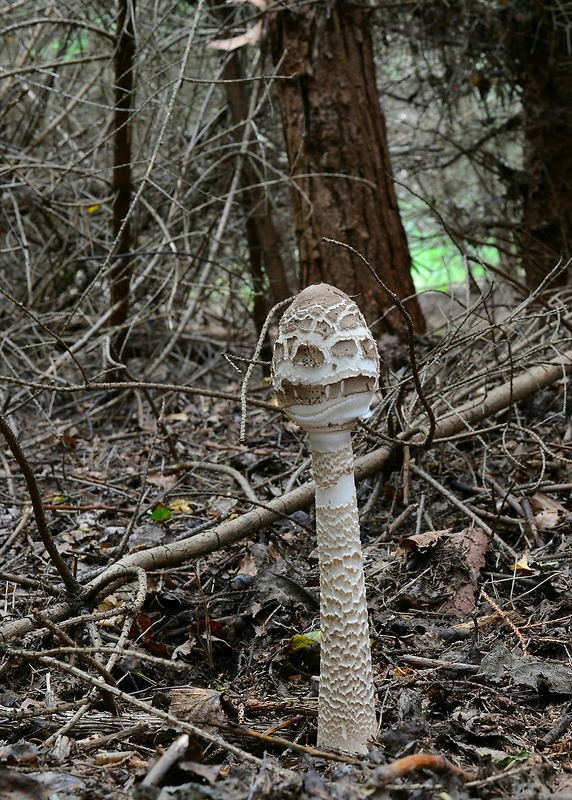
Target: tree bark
[(120, 276), (538, 41), (267, 270), (339, 160)]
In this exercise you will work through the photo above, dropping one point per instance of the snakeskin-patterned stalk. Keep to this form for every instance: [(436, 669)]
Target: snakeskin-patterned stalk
[(346, 708)]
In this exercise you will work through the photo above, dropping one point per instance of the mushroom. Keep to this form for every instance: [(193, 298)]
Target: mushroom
[(325, 371)]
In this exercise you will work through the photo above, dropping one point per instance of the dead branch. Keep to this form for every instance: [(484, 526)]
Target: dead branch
[(456, 421), (64, 571)]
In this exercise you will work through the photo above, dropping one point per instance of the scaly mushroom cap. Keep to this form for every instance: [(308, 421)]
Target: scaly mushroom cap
[(325, 367)]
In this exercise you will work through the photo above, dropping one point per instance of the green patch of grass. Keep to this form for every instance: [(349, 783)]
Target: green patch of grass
[(437, 264)]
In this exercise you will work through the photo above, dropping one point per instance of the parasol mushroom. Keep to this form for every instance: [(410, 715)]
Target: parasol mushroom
[(325, 371)]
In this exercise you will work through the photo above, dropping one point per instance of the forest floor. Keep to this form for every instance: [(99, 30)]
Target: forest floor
[(468, 569)]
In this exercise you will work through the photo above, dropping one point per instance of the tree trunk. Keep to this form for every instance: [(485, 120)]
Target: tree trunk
[(545, 76), (263, 238), (120, 275), (338, 155)]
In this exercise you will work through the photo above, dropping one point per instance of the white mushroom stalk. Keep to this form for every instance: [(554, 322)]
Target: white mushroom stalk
[(325, 372)]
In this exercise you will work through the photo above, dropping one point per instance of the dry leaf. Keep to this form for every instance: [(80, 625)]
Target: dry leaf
[(466, 552), (421, 541), (181, 505), (197, 705), (162, 481), (247, 566), (547, 512), (522, 566)]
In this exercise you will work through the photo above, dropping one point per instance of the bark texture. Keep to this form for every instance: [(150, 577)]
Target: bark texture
[(120, 276), (538, 39), (339, 161), (267, 270)]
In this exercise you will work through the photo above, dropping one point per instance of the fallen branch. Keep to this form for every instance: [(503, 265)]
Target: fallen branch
[(458, 420), (404, 766)]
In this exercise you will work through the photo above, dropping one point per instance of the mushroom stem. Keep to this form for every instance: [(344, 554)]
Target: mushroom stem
[(325, 372), (346, 709)]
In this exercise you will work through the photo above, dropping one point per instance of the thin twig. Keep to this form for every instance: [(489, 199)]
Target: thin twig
[(120, 385), (508, 621), (253, 363), (64, 571), (249, 492)]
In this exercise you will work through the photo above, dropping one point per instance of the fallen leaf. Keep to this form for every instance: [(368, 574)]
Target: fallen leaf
[(162, 481), (160, 513), (247, 566), (181, 505), (548, 512), (527, 670), (522, 567), (419, 541), (197, 705), (466, 552), (302, 640)]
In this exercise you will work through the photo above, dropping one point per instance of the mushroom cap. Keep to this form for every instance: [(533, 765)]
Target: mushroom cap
[(325, 368)]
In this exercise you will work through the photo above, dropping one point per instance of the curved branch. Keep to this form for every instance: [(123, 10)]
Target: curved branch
[(71, 584)]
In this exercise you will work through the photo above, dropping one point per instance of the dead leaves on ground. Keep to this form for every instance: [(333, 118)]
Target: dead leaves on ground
[(454, 561)]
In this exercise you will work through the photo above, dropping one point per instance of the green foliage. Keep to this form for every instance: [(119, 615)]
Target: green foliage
[(160, 513), (437, 262)]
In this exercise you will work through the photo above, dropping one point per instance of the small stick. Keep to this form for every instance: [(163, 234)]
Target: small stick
[(17, 531), (286, 723), (406, 462), (68, 508), (508, 621), (403, 766), (71, 584), (214, 467), (556, 731), (88, 744), (506, 496), (511, 522), (437, 663), (531, 522), (254, 362), (172, 754), (398, 521), (420, 514)]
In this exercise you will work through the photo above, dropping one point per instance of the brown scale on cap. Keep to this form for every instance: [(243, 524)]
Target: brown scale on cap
[(324, 349)]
